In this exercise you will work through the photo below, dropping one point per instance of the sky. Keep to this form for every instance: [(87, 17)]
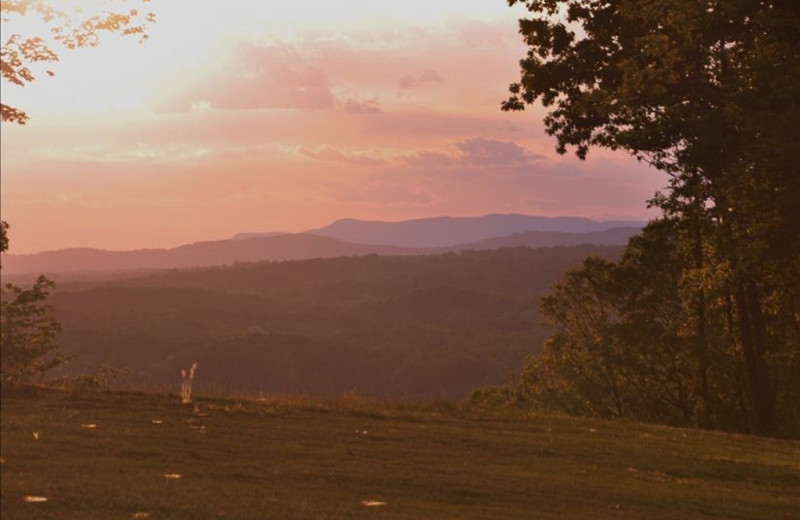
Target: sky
[(244, 116)]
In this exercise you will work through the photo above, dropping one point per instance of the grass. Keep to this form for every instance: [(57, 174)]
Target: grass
[(316, 459)]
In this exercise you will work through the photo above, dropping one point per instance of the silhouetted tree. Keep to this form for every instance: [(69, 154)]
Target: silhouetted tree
[(3, 236), (70, 30), (28, 332), (708, 92), (27, 328)]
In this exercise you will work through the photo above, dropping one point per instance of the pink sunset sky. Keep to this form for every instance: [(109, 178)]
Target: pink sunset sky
[(244, 116)]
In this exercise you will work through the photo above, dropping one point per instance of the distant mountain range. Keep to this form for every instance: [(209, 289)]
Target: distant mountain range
[(452, 231), (441, 234), (200, 254)]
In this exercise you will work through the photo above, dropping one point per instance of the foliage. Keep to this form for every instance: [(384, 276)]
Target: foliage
[(652, 337), (706, 91), (675, 83), (28, 332), (3, 236), (98, 380), (67, 29)]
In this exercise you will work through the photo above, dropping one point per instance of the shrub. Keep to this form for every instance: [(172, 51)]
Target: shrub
[(28, 332)]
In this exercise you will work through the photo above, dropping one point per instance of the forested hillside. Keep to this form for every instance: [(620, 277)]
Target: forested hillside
[(427, 326)]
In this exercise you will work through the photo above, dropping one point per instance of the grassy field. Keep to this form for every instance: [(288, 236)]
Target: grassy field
[(120, 455)]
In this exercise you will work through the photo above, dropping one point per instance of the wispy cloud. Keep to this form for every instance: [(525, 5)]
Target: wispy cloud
[(410, 81), (354, 106), (378, 191), (328, 153), (478, 153), (256, 76)]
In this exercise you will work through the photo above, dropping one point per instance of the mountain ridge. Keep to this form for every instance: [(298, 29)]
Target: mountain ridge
[(274, 248), (448, 231), (198, 254)]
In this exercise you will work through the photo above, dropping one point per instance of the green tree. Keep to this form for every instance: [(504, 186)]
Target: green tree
[(581, 366), (708, 92), (28, 329), (3, 236), (28, 332), (645, 337), (617, 348), (67, 29), (28, 347)]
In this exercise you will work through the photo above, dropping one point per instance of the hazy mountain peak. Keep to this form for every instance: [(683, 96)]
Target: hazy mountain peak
[(447, 231), (345, 237)]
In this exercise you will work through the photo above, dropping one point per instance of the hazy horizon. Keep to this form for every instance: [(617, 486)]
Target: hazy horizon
[(262, 233)]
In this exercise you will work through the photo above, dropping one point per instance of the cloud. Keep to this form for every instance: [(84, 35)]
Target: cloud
[(354, 106), (256, 76), (430, 75), (415, 81), (319, 70), (477, 153), (327, 153), (435, 122), (492, 152), (379, 192), (480, 35)]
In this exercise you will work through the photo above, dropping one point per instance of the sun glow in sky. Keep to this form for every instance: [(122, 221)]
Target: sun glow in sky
[(283, 116)]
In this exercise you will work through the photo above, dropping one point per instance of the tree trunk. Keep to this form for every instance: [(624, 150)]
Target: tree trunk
[(700, 340), (751, 328)]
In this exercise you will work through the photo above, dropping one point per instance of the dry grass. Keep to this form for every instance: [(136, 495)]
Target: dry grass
[(305, 458)]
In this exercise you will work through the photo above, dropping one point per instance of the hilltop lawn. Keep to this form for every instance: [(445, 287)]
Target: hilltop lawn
[(108, 456)]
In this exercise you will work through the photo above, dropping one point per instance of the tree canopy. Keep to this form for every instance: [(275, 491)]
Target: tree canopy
[(28, 347), (709, 92), (3, 236), (20, 53), (675, 83)]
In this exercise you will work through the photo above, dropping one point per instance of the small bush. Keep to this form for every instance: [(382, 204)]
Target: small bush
[(28, 331)]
